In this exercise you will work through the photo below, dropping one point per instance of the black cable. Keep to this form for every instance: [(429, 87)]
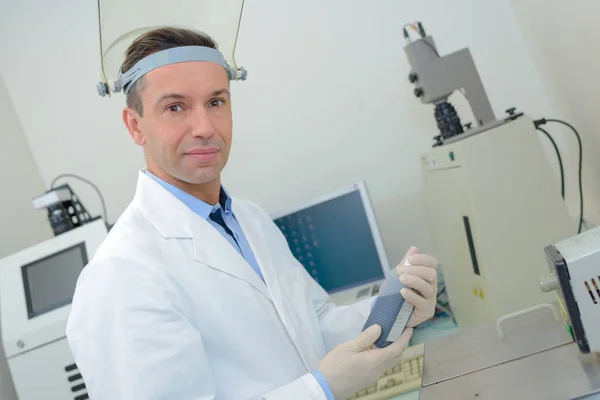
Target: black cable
[(89, 183), (580, 167), (560, 163), (543, 121)]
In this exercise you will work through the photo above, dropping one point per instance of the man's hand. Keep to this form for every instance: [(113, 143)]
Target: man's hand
[(421, 276), (356, 364)]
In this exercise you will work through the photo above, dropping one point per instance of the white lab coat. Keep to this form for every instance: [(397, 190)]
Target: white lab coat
[(168, 309)]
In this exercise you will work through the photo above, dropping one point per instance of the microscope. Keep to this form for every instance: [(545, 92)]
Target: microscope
[(436, 77), (486, 188)]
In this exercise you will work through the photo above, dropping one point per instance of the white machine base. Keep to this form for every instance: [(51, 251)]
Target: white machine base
[(493, 205), (56, 375)]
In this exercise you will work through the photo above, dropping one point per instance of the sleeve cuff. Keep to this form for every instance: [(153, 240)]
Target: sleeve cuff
[(324, 384)]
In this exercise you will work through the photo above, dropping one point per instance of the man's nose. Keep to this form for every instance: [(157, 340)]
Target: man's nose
[(202, 125)]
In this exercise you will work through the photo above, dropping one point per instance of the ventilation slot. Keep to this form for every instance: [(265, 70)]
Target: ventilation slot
[(589, 289), (76, 380), (596, 286)]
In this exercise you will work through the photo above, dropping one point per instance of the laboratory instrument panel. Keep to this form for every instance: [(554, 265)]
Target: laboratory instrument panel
[(36, 289), (65, 210), (493, 205), (575, 274)]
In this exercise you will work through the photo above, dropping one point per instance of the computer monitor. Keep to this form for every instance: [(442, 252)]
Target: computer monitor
[(337, 240)]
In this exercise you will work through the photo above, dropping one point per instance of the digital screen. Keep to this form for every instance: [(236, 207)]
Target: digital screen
[(334, 242), (49, 283)]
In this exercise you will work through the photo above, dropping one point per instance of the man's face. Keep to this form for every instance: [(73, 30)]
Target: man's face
[(186, 125)]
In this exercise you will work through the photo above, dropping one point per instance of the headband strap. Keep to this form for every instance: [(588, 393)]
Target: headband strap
[(173, 55)]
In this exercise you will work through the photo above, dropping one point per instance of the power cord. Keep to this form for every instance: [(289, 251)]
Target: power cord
[(560, 163), (543, 121), (61, 176)]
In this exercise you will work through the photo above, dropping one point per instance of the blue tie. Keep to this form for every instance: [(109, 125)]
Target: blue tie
[(216, 216)]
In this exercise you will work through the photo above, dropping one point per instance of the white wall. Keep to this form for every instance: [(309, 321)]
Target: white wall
[(563, 37), (51, 68), (327, 102), (20, 224)]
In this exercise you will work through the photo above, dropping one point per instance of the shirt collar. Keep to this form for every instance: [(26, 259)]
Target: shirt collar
[(200, 207)]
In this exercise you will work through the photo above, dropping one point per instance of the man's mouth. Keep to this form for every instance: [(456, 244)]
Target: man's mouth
[(202, 153)]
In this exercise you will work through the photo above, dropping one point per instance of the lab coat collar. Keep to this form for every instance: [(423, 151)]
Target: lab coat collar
[(173, 219), (200, 207), (169, 216)]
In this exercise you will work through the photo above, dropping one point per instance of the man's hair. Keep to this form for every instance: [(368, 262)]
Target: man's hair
[(153, 42)]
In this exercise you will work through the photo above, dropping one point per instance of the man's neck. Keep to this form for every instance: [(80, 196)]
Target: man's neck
[(208, 192)]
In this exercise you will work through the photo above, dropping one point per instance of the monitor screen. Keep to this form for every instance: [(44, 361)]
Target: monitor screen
[(334, 242), (49, 283)]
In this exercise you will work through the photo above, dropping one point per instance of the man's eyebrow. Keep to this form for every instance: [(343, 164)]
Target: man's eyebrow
[(170, 96), (221, 91), (178, 96)]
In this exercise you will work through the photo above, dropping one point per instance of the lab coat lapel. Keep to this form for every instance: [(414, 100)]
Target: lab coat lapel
[(174, 220), (259, 242), (212, 249), (259, 245)]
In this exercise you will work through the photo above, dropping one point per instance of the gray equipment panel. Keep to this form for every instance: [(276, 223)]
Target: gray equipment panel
[(480, 347), (537, 359)]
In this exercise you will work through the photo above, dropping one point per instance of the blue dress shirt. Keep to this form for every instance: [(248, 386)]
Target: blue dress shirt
[(221, 217)]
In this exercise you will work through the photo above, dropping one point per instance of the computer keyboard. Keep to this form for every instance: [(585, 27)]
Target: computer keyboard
[(404, 377)]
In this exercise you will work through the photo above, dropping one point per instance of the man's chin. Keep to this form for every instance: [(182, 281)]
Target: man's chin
[(204, 178)]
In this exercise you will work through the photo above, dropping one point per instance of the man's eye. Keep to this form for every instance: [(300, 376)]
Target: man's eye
[(175, 108), (216, 103)]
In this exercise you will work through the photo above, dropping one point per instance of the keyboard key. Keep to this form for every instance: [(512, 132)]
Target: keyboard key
[(402, 378)]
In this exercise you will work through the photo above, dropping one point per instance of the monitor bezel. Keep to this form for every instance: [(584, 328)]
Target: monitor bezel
[(361, 188), (31, 313), (20, 334)]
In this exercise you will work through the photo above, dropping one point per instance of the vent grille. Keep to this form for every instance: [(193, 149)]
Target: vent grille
[(76, 381), (593, 287)]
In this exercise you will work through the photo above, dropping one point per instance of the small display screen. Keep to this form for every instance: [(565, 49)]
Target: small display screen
[(49, 283)]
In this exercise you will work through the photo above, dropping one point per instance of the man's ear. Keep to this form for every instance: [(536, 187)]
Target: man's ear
[(131, 119)]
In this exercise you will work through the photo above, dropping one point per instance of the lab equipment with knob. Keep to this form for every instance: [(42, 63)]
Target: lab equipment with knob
[(493, 206), (36, 289), (492, 199), (436, 77)]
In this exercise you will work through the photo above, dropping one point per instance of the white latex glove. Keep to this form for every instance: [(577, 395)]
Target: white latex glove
[(356, 364), (420, 275)]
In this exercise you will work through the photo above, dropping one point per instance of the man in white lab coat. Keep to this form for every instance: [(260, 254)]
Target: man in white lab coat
[(195, 295)]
